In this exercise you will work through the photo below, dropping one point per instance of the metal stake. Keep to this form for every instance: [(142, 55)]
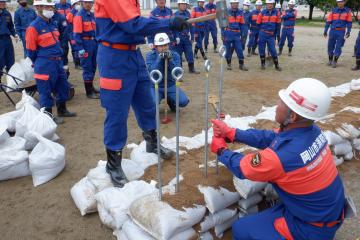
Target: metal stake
[(207, 69)]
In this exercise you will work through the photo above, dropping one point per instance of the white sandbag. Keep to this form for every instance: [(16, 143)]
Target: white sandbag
[(250, 201), (160, 219), (351, 130), (355, 85), (217, 218), (31, 140), (356, 144), (343, 133), (46, 160), (252, 210), (184, 235), (83, 195), (270, 192), (17, 71), (26, 98), (13, 144), (55, 138), (247, 188), (99, 177), (206, 236), (171, 187), (13, 164), (4, 135), (349, 156), (221, 228), (30, 113), (131, 169), (143, 158), (113, 203), (338, 160), (26, 65), (342, 148), (333, 138), (218, 199), (43, 124), (8, 120), (120, 235)]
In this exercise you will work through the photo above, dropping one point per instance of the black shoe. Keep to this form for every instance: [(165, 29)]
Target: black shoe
[(249, 52), (192, 69), (276, 63), (196, 52), (57, 120), (330, 60), (262, 63), (62, 110), (172, 105), (93, 95), (91, 91), (280, 51), (242, 65), (206, 50), (334, 63), (290, 54), (151, 145), (113, 167), (203, 54), (215, 49), (228, 64), (357, 67)]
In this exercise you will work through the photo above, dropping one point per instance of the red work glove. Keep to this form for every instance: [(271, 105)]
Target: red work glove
[(218, 145), (222, 130)]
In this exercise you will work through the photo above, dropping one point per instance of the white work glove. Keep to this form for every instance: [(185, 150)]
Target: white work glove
[(82, 53), (177, 40), (151, 45)]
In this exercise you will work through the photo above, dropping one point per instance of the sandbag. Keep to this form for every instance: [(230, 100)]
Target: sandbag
[(333, 138), (143, 158), (27, 66), (250, 202), (99, 177), (356, 144), (13, 164), (342, 148), (46, 160), (355, 85), (30, 113), (206, 236), (8, 120), (160, 219), (252, 210), (4, 135), (17, 71), (270, 192), (26, 98), (349, 156), (338, 160), (218, 199), (247, 188), (13, 144), (221, 228), (113, 203), (351, 130), (43, 124), (217, 218), (83, 195)]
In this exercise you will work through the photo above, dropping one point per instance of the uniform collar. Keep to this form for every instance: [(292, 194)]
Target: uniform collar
[(295, 131)]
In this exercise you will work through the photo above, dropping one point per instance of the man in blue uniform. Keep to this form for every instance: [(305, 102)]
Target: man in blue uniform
[(44, 49), (247, 20), (76, 7), (124, 79), (156, 60), (340, 23), (60, 21), (288, 29), (199, 28), (357, 50), (211, 27), (254, 29), (296, 160), (23, 16)]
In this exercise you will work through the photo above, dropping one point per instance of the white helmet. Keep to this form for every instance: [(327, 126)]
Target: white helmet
[(201, 0), (44, 3), (234, 1), (74, 2), (183, 1), (307, 97), (270, 1), (278, 5), (340, 0), (161, 39), (87, 0), (246, 3), (258, 3), (291, 2)]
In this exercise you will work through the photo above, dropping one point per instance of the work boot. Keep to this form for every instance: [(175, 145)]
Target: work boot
[(172, 105), (196, 52), (242, 66), (91, 91), (280, 51), (62, 110), (334, 63), (290, 50), (77, 64), (206, 49), (249, 52), (253, 51), (113, 167), (276, 63), (57, 120), (192, 68), (151, 145), (215, 49), (203, 54), (357, 66), (262, 63), (330, 60), (228, 64)]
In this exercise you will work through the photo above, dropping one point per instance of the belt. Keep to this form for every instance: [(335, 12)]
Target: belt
[(268, 32), (88, 38), (233, 30), (339, 29), (55, 58), (329, 224), (120, 46)]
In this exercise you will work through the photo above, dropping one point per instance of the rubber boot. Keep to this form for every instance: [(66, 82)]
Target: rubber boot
[(253, 51), (262, 59), (242, 66), (196, 52), (228, 64), (276, 63), (203, 54), (215, 49), (357, 66), (89, 89), (249, 52), (77, 64), (113, 167), (334, 63), (290, 50), (192, 69), (57, 120), (330, 60), (62, 110), (280, 51), (151, 145), (206, 49)]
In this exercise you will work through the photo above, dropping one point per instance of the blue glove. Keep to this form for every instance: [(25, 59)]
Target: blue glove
[(81, 53), (178, 24)]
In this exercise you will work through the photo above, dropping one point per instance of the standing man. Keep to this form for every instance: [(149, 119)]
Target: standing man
[(211, 26), (269, 22), (44, 49), (232, 35), (254, 28), (296, 160), (199, 28), (60, 21), (124, 79), (247, 20), (288, 29), (156, 60), (86, 46), (7, 29), (357, 50), (339, 21), (183, 37), (63, 7), (76, 7), (279, 9), (24, 15), (161, 12)]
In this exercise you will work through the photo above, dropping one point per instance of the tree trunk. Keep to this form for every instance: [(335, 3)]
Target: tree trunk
[(311, 10)]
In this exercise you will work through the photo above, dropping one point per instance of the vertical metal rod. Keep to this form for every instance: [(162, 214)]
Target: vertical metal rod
[(207, 69), (166, 87)]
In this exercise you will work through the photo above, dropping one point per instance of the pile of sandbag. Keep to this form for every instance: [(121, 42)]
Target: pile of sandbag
[(27, 144)]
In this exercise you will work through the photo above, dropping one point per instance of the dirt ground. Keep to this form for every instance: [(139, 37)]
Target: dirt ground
[(48, 212)]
